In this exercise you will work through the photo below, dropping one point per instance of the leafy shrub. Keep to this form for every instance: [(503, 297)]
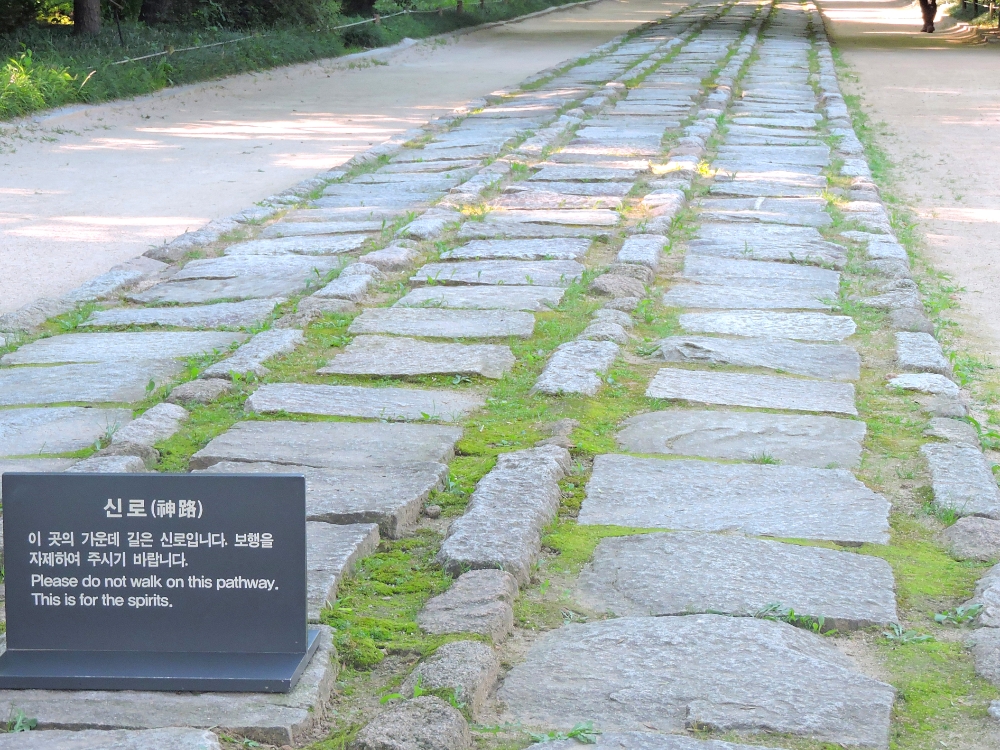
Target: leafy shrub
[(25, 86), (367, 35), (16, 13)]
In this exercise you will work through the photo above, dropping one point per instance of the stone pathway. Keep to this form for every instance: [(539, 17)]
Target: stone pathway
[(753, 435)]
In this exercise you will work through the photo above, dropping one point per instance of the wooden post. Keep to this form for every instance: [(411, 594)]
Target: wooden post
[(458, 6), (378, 20)]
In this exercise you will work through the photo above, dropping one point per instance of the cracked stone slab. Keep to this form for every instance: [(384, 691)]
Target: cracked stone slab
[(443, 323), (925, 382), (388, 356), (469, 668), (404, 404), (390, 496), (509, 508), (758, 391), (962, 479), (121, 347), (480, 601), (685, 573), (273, 718), (557, 248), (222, 314), (331, 553), (767, 242), (331, 444), (102, 382), (781, 501), (826, 361), (304, 242), (728, 673), (576, 366), (921, 352), (250, 357), (745, 298), (970, 538), (66, 429), (805, 326), (708, 269), (796, 440), (500, 297), (169, 738), (558, 273)]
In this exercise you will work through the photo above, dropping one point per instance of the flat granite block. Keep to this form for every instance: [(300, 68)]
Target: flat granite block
[(557, 248), (330, 444), (582, 173), (66, 429), (113, 464), (442, 323), (558, 273), (501, 297), (331, 552), (760, 391), (598, 217), (826, 361), (273, 718), (170, 738), (288, 229), (156, 424), (767, 242), (711, 296), (806, 326), (510, 507), (985, 646), (469, 668), (969, 538), (404, 404), (250, 357), (728, 673), (387, 356), (792, 439), (781, 501), (34, 465), (391, 496), (306, 244), (103, 382), (121, 347), (423, 723), (921, 352), (926, 382), (962, 479), (708, 269), (223, 314), (494, 227), (644, 740), (644, 249), (480, 601), (575, 367), (686, 573)]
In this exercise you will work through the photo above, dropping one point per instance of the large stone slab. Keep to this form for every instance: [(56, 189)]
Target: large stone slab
[(240, 277), (969, 538), (582, 173), (557, 248), (805, 326), (496, 226), (797, 440), (509, 508), (542, 200), (644, 249), (501, 297), (330, 444), (827, 361), (303, 242), (480, 602), (921, 352), (34, 465), (558, 273), (170, 738), (223, 314), (599, 217), (985, 647), (780, 501), (711, 296), (595, 189), (25, 432), (962, 479), (469, 668), (987, 595), (121, 347), (644, 740), (708, 269), (387, 356), (405, 404), (926, 382), (686, 573), (354, 229), (442, 323), (702, 670), (423, 723), (575, 367), (390, 496), (760, 391), (331, 553), (103, 382), (768, 242)]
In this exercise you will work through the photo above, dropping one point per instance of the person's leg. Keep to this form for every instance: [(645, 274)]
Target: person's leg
[(931, 14), (924, 11)]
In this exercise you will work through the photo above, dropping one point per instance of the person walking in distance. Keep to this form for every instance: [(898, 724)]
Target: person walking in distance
[(929, 10)]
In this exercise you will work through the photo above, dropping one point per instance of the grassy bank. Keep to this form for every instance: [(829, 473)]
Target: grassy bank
[(48, 66)]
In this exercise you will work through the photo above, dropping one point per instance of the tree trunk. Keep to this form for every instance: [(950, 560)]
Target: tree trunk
[(155, 11), (86, 16)]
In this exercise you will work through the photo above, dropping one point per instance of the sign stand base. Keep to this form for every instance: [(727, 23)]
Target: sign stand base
[(24, 669)]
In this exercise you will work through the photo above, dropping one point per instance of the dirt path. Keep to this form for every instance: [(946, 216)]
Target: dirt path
[(940, 102), (88, 189)]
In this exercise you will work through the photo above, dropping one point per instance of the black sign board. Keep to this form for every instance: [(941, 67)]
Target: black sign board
[(155, 582)]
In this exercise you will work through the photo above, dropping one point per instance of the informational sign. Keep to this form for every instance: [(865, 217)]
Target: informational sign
[(155, 581)]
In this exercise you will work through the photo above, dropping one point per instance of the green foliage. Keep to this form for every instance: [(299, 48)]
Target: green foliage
[(775, 611), (19, 722), (961, 615), (16, 13), (583, 732), (898, 634), (26, 86)]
